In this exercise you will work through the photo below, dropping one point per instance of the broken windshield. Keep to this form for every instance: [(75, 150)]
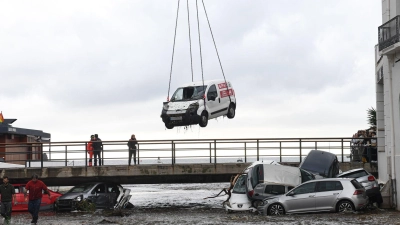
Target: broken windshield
[(188, 93), (240, 185)]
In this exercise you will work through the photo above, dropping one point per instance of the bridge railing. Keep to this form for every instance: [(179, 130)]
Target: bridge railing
[(54, 154)]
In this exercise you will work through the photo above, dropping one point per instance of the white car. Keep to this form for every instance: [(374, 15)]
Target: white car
[(195, 103)]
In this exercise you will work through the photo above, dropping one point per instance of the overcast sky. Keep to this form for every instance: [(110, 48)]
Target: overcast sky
[(299, 68)]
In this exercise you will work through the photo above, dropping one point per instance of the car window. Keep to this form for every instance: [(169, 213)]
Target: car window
[(275, 189), (305, 188), (355, 174), (81, 188), (16, 190), (212, 92), (113, 188), (329, 186), (240, 185), (306, 176), (356, 184), (188, 93)]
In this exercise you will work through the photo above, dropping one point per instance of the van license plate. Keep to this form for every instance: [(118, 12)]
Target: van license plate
[(176, 118)]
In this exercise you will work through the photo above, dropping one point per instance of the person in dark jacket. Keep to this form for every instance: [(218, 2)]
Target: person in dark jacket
[(132, 149), (7, 192), (97, 149)]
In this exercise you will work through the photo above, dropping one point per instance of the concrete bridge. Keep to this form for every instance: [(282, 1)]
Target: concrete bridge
[(145, 174)]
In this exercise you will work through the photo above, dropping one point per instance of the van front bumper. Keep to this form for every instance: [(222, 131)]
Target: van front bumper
[(180, 119)]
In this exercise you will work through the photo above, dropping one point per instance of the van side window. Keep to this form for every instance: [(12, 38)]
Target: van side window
[(212, 93)]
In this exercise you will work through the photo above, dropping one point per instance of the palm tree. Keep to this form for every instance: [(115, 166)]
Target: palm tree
[(371, 117)]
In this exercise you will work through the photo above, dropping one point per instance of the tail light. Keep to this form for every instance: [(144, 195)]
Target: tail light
[(371, 178), (358, 192), (251, 193)]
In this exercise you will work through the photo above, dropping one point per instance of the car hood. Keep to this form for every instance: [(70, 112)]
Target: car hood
[(70, 195)]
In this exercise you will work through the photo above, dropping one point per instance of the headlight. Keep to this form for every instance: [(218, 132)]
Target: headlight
[(78, 198), (165, 106)]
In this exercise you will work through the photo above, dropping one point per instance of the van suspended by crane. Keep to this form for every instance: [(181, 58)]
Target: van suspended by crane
[(197, 102)]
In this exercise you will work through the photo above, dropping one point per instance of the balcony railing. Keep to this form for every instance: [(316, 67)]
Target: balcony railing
[(388, 33)]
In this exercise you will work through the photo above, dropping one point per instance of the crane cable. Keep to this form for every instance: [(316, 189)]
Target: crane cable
[(215, 45), (173, 50), (190, 40), (201, 56)]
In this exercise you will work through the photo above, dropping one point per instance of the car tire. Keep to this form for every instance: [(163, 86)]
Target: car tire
[(231, 111), (203, 119), (344, 205), (169, 126), (276, 210), (256, 203)]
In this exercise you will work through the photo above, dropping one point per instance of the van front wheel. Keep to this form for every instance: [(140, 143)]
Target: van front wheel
[(203, 119), (169, 126)]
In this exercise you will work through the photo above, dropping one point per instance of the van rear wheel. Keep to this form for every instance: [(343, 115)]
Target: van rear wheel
[(231, 111), (203, 119)]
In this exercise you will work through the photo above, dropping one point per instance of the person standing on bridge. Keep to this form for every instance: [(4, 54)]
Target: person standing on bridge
[(132, 149), (7, 192), (35, 188), (97, 149), (89, 149)]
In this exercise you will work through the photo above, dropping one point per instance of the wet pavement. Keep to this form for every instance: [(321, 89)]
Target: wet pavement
[(201, 215)]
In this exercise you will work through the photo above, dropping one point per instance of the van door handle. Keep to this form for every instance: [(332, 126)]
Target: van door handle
[(335, 193), (311, 196), (219, 100)]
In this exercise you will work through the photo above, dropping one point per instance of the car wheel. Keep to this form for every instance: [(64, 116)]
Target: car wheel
[(345, 205), (231, 111), (256, 203), (203, 119), (169, 126), (276, 210)]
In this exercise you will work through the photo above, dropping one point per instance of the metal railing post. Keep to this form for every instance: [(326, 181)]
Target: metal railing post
[(280, 151), (41, 155), (258, 150), (137, 151), (245, 152), (215, 151), (86, 144), (65, 155), (342, 151), (301, 152), (173, 152), (210, 153), (315, 145)]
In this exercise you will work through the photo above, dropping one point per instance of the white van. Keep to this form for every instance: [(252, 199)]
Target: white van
[(195, 103)]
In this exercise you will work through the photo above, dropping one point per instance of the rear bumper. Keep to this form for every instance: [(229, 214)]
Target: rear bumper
[(373, 192)]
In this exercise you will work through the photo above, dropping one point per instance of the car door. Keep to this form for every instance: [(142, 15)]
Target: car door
[(213, 102), (100, 197), (301, 199), (326, 195), (113, 192)]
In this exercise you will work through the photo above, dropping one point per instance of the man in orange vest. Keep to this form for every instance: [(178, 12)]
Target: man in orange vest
[(89, 149)]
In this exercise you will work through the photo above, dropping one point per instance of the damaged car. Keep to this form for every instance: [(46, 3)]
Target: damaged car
[(198, 102), (321, 163), (103, 195)]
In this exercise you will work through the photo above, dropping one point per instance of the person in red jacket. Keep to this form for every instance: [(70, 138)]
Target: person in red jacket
[(35, 188), (89, 149)]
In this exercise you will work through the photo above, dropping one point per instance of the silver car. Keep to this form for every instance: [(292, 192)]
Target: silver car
[(366, 179), (331, 194)]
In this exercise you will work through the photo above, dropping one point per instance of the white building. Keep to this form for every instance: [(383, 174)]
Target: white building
[(387, 54)]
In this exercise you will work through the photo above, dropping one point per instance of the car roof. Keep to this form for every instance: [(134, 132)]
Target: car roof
[(351, 171), (331, 179)]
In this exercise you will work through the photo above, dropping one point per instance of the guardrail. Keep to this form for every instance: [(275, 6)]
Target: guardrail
[(192, 151)]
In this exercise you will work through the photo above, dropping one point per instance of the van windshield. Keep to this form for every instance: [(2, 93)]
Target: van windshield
[(188, 93)]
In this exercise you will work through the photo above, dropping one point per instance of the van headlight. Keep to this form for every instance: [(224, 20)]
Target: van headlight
[(165, 106), (78, 198), (193, 107)]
